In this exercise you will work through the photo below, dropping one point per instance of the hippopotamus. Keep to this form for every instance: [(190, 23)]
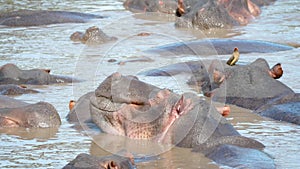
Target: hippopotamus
[(81, 105), (200, 75), (7, 102), (218, 46), (203, 14), (14, 113), (12, 89), (43, 17), (239, 157), (126, 106), (251, 86), (11, 74), (92, 35), (217, 13), (163, 6), (283, 109), (263, 2), (85, 161), (80, 115)]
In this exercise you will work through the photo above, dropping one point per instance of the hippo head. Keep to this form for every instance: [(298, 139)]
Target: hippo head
[(123, 105), (91, 32), (115, 162), (10, 70), (94, 35), (39, 115), (106, 162), (11, 74), (241, 11)]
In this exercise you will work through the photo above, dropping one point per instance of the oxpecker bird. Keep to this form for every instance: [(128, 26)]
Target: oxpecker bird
[(234, 58)]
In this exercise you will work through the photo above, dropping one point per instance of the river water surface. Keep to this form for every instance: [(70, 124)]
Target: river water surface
[(50, 47)]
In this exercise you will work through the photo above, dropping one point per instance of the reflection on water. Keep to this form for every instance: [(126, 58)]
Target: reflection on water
[(49, 47), (30, 134)]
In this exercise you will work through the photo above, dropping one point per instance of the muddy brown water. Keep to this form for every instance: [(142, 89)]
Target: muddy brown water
[(50, 47)]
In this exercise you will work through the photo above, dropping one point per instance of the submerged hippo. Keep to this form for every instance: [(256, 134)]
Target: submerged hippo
[(11, 74), (239, 157), (216, 13), (11, 89), (92, 35), (218, 46), (85, 161), (197, 69), (285, 108), (251, 86), (163, 6), (42, 17), (203, 14), (14, 113), (126, 106)]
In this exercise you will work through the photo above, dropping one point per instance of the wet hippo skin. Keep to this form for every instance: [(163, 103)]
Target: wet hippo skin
[(20, 114), (8, 102), (203, 14), (11, 89), (166, 6), (92, 36), (239, 157), (85, 161), (221, 14), (126, 106), (285, 108), (11, 74), (249, 86), (43, 17), (218, 46)]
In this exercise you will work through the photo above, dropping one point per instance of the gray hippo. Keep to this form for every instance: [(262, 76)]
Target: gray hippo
[(126, 106), (218, 46), (201, 76), (286, 108), (43, 17), (216, 13), (203, 14), (251, 86), (12, 89), (239, 157), (14, 113), (11, 74), (80, 115), (163, 6), (92, 35), (85, 161)]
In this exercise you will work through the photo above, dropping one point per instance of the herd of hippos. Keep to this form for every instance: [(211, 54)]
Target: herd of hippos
[(116, 111)]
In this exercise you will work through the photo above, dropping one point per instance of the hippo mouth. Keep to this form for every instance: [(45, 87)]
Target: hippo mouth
[(140, 119)]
